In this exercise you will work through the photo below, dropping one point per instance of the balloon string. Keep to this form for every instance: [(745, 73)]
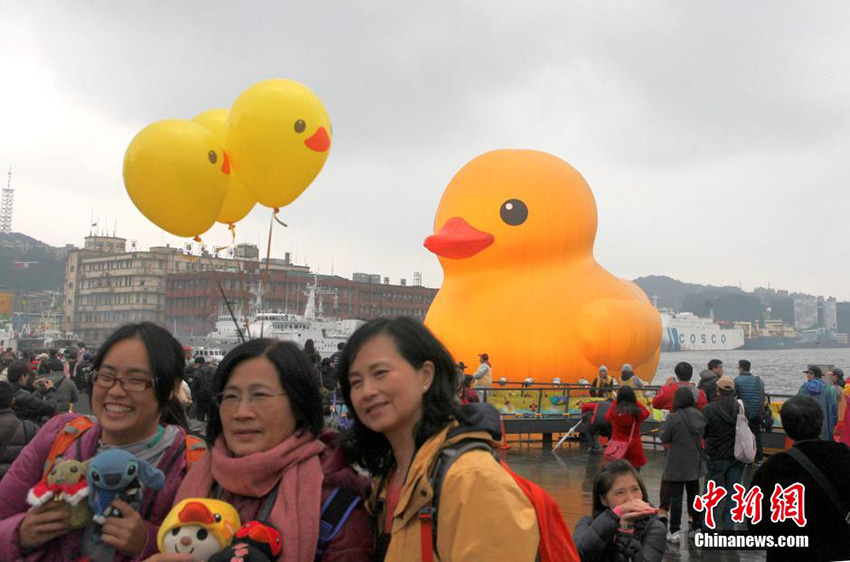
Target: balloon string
[(266, 274), (224, 296), (274, 216), (232, 228)]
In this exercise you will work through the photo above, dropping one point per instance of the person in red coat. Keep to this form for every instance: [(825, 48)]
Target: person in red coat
[(684, 372), (625, 414)]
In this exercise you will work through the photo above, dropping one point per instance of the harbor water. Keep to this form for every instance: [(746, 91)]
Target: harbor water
[(782, 370)]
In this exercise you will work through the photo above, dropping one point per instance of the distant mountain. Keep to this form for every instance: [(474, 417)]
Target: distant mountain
[(29, 264), (726, 304)]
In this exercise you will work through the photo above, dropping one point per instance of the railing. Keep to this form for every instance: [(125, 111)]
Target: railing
[(548, 408)]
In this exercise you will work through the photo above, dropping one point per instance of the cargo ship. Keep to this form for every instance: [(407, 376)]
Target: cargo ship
[(684, 331)]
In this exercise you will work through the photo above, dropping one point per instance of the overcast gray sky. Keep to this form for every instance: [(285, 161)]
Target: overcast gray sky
[(715, 136)]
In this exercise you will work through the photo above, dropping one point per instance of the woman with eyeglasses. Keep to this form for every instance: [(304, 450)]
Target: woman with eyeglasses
[(270, 459), (135, 377)]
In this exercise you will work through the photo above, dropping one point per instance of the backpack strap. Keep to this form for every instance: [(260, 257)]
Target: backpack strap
[(335, 512), (72, 431), (428, 514), (822, 481), (268, 503)]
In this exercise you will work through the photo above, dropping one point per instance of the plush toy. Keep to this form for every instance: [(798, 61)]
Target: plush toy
[(198, 526), (66, 482), (254, 542), (116, 474)]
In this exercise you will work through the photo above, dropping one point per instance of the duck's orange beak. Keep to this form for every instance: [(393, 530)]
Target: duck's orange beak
[(320, 141), (225, 166), (195, 512), (458, 240)]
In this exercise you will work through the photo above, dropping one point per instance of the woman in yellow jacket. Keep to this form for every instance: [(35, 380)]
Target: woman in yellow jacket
[(398, 381)]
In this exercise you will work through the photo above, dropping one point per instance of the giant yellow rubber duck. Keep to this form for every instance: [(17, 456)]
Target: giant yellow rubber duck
[(514, 233)]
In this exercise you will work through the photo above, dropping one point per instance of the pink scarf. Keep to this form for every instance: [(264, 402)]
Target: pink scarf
[(294, 463)]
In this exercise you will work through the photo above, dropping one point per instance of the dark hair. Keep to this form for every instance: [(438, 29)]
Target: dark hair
[(627, 401), (744, 365), (714, 363), (802, 418), (440, 405), (296, 376), (683, 398), (309, 345), (605, 479), (166, 359), (684, 371), (18, 370)]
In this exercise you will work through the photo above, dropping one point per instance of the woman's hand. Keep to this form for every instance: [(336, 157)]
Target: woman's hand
[(126, 533), (44, 523), (633, 510)]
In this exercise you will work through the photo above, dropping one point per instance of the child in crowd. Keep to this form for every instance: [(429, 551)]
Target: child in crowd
[(623, 526)]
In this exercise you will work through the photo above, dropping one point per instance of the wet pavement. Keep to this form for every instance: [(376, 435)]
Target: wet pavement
[(569, 473)]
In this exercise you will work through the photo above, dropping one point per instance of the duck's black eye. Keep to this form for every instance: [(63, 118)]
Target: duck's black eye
[(212, 156), (300, 126), (131, 470), (217, 517), (74, 469), (201, 534), (175, 531), (514, 212)]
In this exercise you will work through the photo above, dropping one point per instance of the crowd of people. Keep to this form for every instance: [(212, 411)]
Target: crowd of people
[(268, 451), (699, 433)]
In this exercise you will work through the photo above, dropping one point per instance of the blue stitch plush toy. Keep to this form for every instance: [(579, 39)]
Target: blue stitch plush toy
[(117, 474)]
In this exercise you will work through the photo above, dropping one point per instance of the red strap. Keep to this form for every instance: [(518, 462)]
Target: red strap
[(426, 523), (195, 449), (70, 433)]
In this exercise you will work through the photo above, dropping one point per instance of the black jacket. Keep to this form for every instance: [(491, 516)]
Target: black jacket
[(15, 434), (708, 384), (720, 430), (34, 406), (599, 539), (829, 538)]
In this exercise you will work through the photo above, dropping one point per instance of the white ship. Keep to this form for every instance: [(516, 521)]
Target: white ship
[(683, 331), (326, 333)]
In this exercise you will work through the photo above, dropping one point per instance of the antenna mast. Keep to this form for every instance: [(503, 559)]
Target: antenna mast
[(8, 201)]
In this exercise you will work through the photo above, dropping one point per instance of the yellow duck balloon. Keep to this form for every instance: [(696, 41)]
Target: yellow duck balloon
[(238, 202), (176, 172), (514, 233), (278, 137)]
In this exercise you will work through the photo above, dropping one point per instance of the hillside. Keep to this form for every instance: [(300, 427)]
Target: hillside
[(727, 304), (45, 270)]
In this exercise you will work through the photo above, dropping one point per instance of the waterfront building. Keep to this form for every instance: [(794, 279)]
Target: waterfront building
[(805, 312), (106, 285), (193, 301)]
